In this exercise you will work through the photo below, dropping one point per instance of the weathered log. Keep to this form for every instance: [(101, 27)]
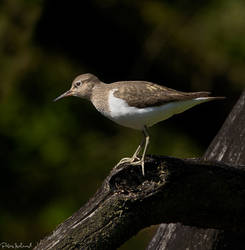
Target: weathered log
[(228, 146), (191, 191)]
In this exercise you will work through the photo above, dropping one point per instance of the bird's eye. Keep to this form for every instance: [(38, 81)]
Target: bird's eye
[(77, 84)]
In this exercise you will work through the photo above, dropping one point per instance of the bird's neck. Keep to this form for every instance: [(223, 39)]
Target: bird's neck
[(99, 97)]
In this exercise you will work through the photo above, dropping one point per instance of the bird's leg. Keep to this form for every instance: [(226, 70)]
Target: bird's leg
[(135, 155), (142, 160), (147, 140)]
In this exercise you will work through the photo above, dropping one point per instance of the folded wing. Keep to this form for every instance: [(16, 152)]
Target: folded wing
[(146, 94)]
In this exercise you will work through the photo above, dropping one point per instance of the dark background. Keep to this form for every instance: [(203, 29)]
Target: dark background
[(55, 155)]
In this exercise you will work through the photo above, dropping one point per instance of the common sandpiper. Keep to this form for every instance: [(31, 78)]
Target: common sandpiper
[(135, 104)]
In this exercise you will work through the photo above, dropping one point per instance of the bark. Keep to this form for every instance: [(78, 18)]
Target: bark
[(229, 147), (191, 191)]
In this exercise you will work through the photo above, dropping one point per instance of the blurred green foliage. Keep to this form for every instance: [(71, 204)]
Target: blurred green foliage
[(55, 155)]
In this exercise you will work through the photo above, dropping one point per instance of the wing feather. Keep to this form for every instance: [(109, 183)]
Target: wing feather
[(146, 94)]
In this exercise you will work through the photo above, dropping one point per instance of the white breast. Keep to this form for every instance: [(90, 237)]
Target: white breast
[(136, 118)]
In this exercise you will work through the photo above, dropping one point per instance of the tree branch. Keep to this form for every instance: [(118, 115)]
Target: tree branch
[(191, 191)]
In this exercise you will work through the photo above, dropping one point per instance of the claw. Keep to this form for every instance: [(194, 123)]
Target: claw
[(129, 160)]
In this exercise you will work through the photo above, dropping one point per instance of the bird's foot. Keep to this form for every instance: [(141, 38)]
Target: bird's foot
[(133, 161), (129, 160)]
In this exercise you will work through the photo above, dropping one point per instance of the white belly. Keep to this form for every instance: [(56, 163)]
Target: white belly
[(137, 118)]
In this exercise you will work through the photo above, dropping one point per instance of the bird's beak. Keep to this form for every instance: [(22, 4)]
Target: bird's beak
[(67, 93)]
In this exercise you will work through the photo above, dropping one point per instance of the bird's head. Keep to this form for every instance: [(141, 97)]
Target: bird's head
[(81, 87)]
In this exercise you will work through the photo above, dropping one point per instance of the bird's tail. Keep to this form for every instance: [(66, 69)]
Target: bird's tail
[(206, 96)]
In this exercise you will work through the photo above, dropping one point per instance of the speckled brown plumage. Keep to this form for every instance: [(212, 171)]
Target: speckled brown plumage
[(142, 94)]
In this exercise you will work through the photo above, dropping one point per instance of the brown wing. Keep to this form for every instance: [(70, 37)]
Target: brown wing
[(144, 94)]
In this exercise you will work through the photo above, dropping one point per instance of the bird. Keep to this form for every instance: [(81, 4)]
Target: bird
[(135, 104)]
